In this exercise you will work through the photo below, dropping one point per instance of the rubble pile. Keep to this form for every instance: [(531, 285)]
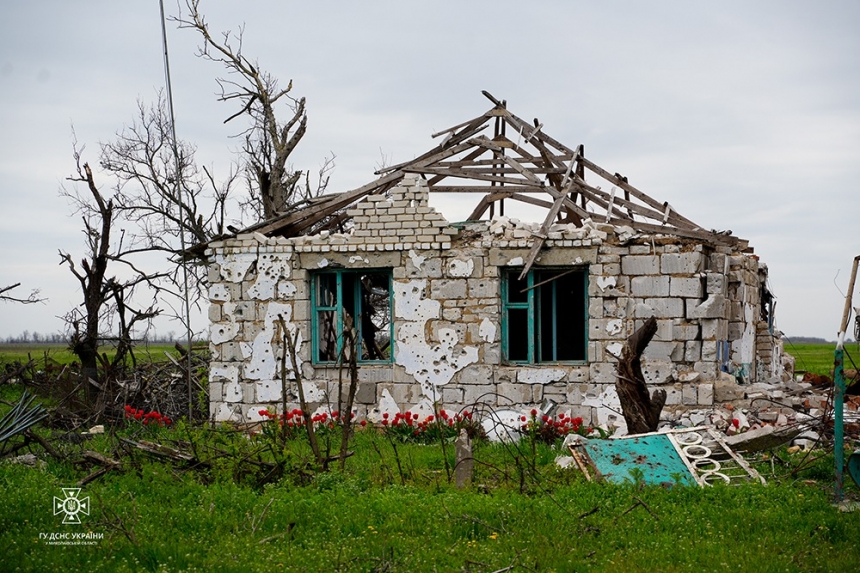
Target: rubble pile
[(766, 415)]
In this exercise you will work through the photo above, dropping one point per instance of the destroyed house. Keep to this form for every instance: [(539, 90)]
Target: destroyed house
[(491, 310)]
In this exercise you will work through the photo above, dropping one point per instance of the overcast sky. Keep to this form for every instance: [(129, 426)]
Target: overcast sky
[(743, 115)]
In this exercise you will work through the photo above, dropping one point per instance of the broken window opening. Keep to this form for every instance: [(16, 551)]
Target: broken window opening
[(347, 298), (545, 315), (768, 303)]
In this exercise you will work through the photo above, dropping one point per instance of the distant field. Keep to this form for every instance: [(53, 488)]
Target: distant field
[(818, 358), (60, 353)]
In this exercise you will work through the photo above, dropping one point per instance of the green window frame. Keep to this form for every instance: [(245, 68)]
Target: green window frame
[(545, 315), (360, 297)]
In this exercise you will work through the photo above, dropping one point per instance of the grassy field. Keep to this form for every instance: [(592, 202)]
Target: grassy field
[(61, 354), (818, 358), (395, 510)]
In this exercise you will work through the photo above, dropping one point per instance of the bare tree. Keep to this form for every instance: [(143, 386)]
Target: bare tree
[(106, 299), (165, 194), (31, 298), (268, 140), (165, 197), (142, 159)]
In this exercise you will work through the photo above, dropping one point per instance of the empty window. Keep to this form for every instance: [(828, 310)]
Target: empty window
[(545, 315), (344, 299)]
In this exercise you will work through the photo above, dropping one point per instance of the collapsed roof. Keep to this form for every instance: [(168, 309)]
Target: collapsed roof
[(519, 162)]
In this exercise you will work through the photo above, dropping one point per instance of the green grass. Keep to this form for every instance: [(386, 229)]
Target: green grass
[(61, 354), (157, 517), (818, 358)]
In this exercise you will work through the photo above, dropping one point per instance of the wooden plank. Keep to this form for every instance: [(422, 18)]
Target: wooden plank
[(544, 230), (489, 162), (466, 160), (519, 168), (479, 170), (331, 206), (458, 126), (486, 189), (680, 232), (444, 153), (464, 174), (518, 124), (474, 127), (531, 200), (612, 178), (485, 203), (599, 196)]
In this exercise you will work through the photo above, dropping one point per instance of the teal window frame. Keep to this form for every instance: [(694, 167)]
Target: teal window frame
[(529, 308), (344, 293)]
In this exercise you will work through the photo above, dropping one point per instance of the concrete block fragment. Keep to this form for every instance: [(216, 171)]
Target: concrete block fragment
[(660, 350), (605, 328), (714, 329), (726, 389), (713, 307), (708, 370), (685, 331), (715, 283), (476, 374), (579, 374), (764, 438)]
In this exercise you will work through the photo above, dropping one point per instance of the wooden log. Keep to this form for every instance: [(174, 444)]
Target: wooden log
[(641, 410)]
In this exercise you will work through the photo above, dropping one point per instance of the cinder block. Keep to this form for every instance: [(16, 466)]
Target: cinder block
[(686, 287), (689, 396), (713, 307), (482, 394), (681, 263), (640, 265), (602, 373), (366, 393), (706, 394), (452, 395), (214, 313), (673, 396)]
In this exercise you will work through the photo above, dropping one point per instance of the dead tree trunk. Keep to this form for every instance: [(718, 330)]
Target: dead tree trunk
[(641, 410)]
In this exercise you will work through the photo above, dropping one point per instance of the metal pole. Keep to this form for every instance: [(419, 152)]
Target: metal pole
[(839, 389), (177, 180)]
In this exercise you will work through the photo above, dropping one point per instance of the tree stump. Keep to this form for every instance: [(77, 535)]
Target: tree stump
[(465, 462), (641, 410)]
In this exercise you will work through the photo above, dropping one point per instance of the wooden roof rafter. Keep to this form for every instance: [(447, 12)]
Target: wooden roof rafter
[(504, 157)]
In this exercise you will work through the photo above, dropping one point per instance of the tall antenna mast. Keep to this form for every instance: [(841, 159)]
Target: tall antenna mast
[(177, 181)]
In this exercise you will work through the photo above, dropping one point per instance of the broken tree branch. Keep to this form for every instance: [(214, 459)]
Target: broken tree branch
[(641, 410)]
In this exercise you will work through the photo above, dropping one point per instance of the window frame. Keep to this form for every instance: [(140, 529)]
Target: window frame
[(532, 305), (338, 308)]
